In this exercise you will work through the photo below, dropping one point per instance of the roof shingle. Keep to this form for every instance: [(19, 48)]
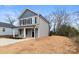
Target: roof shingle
[(7, 25)]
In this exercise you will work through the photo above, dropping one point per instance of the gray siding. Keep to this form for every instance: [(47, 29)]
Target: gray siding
[(8, 31), (27, 14), (43, 28)]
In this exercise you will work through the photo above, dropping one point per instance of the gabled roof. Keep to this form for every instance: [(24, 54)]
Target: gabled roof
[(43, 18), (34, 14), (26, 11), (6, 25)]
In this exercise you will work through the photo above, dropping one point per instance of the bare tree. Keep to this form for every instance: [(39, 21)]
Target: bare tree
[(58, 18), (10, 19), (76, 18), (52, 21)]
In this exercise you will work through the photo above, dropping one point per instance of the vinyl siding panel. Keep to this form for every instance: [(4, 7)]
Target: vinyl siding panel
[(8, 31), (43, 28), (27, 14)]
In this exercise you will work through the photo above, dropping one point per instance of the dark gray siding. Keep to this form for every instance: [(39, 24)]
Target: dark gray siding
[(7, 25), (27, 14)]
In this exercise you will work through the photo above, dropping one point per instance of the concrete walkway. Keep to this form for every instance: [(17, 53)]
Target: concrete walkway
[(5, 41)]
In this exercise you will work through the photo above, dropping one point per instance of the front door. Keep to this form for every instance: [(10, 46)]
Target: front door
[(20, 31), (32, 32)]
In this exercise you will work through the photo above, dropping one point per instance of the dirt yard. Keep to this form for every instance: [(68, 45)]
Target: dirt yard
[(52, 44)]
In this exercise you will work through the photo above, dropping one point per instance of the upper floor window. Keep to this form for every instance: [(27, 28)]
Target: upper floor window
[(29, 21), (35, 20), (21, 22), (24, 22)]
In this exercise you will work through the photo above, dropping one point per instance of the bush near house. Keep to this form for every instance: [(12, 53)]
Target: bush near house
[(66, 30)]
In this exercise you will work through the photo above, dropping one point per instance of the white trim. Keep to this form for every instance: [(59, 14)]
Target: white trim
[(29, 25), (38, 25), (24, 32), (26, 27), (13, 32), (21, 13), (38, 32), (31, 32), (28, 17), (34, 33)]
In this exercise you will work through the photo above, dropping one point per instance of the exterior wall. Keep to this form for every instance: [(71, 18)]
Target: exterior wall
[(27, 14), (15, 30), (36, 33), (43, 28), (8, 31)]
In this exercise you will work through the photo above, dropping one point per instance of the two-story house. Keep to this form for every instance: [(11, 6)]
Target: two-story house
[(32, 24)]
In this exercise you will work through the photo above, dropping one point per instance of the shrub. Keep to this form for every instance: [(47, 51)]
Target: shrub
[(51, 33), (66, 30)]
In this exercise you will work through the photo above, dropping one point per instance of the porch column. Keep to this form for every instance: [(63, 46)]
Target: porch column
[(34, 33), (24, 32), (38, 32), (13, 33)]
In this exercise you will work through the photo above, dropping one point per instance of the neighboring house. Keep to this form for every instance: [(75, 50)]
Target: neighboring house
[(6, 29), (32, 25)]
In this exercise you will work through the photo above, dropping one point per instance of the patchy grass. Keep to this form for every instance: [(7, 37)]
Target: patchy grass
[(51, 44)]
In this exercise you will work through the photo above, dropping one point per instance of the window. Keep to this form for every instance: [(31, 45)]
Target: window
[(24, 22), (29, 21), (3, 29), (35, 20), (21, 22)]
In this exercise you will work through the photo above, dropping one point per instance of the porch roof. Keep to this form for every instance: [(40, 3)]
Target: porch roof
[(27, 26)]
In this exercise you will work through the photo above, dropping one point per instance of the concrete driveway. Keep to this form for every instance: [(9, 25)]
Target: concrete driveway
[(6, 41)]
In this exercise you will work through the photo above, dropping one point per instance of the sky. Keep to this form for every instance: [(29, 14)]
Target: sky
[(16, 10)]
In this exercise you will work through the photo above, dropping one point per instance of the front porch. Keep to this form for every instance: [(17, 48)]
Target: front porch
[(28, 32)]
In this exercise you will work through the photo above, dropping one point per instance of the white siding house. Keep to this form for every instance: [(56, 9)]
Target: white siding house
[(30, 25), (6, 29)]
